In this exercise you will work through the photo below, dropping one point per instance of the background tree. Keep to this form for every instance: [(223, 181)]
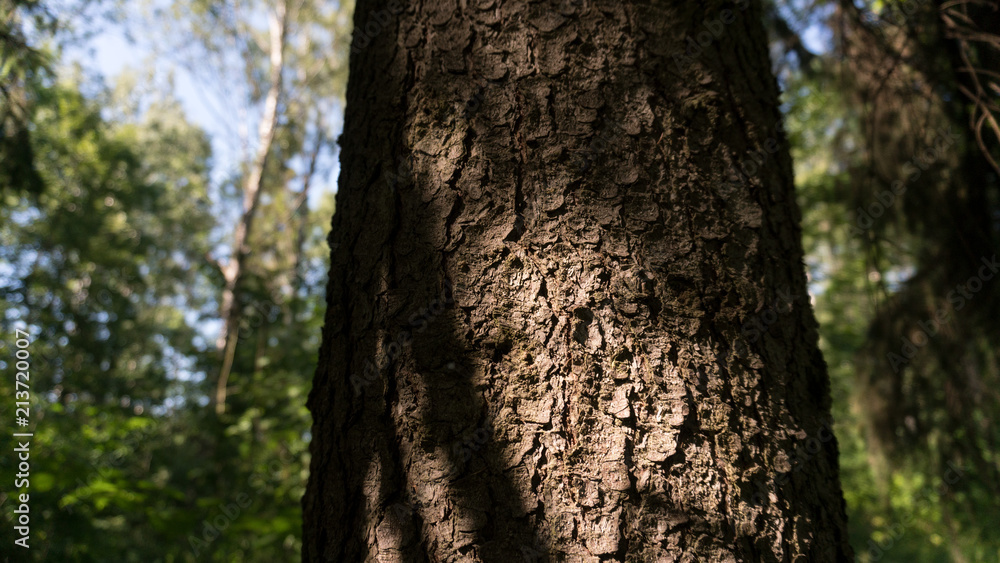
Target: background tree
[(21, 65), (902, 195), (91, 277), (555, 320), (284, 77), (107, 268)]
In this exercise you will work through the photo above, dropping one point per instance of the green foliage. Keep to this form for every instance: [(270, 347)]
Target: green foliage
[(22, 67), (90, 276), (107, 268), (910, 511)]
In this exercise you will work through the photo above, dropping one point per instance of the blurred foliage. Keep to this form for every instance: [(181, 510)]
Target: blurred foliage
[(20, 68), (116, 216), (919, 455), (106, 262)]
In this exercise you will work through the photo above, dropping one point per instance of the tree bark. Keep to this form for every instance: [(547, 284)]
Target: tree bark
[(568, 317)]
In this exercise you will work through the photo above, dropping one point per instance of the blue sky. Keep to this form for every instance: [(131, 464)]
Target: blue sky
[(110, 53)]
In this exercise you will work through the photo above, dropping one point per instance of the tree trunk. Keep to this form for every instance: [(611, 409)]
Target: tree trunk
[(568, 317), (234, 270)]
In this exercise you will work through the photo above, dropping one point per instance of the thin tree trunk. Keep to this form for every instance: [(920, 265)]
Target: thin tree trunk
[(252, 190), (300, 206), (567, 316)]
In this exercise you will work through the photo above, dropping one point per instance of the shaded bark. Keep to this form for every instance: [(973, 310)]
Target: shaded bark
[(567, 316)]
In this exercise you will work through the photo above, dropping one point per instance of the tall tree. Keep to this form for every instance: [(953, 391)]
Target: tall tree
[(234, 269), (271, 71), (924, 191), (567, 313)]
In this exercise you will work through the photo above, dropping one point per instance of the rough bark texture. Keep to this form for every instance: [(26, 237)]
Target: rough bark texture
[(562, 324)]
